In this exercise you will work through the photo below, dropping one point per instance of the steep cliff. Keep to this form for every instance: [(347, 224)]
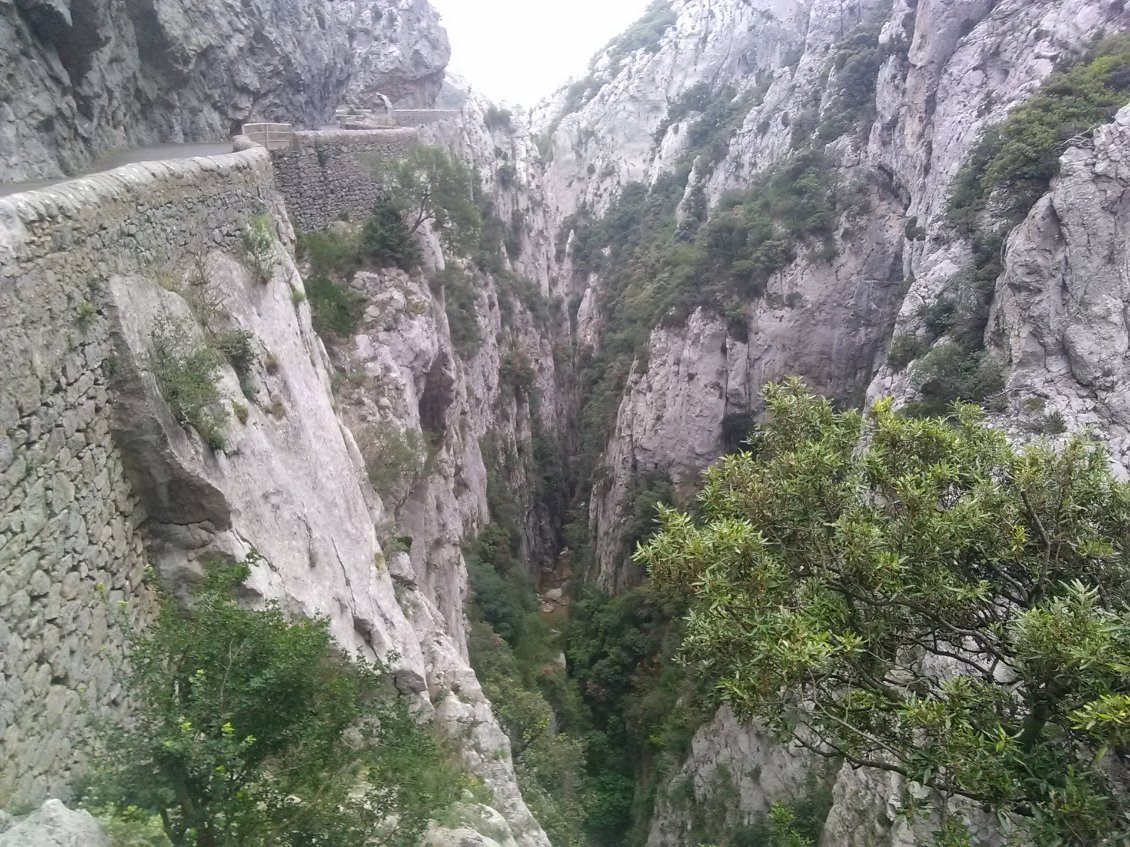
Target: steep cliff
[(82, 78), (891, 96), (870, 112), (272, 465)]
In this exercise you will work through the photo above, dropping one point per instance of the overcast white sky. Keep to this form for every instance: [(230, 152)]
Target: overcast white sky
[(521, 50)]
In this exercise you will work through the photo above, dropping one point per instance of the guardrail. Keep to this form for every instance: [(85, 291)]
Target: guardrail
[(271, 136), (365, 118)]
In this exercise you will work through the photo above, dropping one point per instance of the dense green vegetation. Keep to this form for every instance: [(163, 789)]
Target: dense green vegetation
[(515, 654), (1015, 161), (821, 570), (430, 186), (851, 93), (250, 729)]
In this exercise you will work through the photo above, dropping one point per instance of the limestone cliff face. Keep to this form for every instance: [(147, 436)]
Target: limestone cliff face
[(1060, 306), (81, 77), (945, 71)]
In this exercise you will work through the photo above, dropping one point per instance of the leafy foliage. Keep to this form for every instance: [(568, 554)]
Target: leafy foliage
[(645, 706), (253, 730), (395, 459), (188, 380), (950, 373), (331, 253), (960, 368), (429, 186), (459, 300), (498, 119), (1015, 161), (854, 80), (259, 244), (335, 310), (514, 654), (386, 239), (936, 603)]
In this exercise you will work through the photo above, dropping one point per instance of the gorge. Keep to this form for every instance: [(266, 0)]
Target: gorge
[(448, 446)]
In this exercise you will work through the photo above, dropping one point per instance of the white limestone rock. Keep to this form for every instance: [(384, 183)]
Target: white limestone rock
[(52, 825)]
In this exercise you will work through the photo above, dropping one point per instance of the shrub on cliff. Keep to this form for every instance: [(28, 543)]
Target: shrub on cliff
[(919, 596), (336, 311), (188, 379), (396, 459), (386, 240), (254, 730), (259, 244), (1015, 161), (430, 187)]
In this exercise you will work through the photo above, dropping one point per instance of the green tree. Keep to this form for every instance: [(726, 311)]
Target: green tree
[(429, 186), (253, 730), (920, 596)]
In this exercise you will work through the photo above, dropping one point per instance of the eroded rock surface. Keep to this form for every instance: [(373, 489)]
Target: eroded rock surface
[(82, 77)]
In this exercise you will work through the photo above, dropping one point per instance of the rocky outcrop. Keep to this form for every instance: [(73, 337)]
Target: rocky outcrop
[(52, 825), (730, 778), (400, 50), (1060, 306), (82, 77)]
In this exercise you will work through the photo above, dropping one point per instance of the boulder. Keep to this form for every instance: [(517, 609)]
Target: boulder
[(52, 825)]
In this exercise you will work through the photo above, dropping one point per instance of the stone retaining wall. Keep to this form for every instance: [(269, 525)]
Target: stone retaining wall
[(72, 536), (327, 176)]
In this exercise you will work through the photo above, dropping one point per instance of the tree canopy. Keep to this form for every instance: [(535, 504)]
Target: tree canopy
[(429, 185), (252, 730), (920, 596)]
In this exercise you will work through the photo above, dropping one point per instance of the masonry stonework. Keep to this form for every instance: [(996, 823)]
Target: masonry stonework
[(72, 533), (328, 176)]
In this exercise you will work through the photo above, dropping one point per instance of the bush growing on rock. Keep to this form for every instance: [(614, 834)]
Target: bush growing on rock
[(259, 244), (336, 311), (188, 380), (396, 459), (1015, 161), (386, 239), (430, 187), (254, 730)]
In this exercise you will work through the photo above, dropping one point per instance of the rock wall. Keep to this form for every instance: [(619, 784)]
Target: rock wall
[(72, 535), (1060, 306), (104, 478), (399, 50), (328, 176), (81, 78)]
